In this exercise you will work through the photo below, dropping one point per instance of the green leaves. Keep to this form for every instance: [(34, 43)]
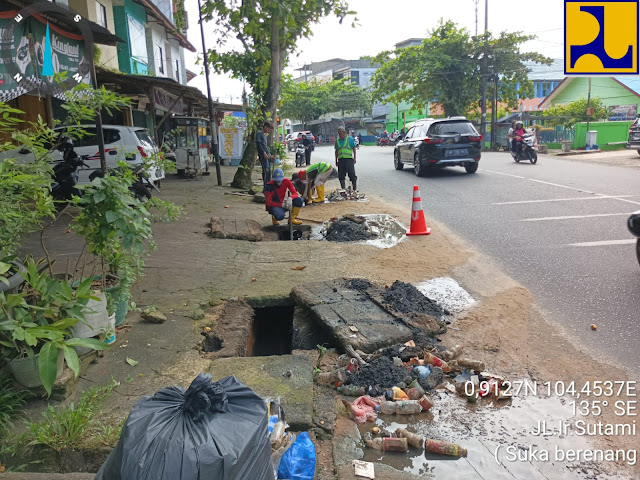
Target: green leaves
[(48, 365), (576, 112)]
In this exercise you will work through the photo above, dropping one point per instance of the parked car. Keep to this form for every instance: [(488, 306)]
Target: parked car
[(129, 144), (444, 142), (634, 135), (296, 137)]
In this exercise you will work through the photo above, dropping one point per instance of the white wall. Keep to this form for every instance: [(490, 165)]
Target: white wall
[(174, 51), (156, 40)]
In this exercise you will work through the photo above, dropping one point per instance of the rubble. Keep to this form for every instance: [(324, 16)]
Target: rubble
[(340, 195)]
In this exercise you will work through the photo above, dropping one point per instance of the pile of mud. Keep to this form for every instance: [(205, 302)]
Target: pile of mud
[(381, 372), (404, 297), (346, 230)]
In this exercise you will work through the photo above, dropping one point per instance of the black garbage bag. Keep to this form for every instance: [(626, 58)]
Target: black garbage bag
[(212, 431)]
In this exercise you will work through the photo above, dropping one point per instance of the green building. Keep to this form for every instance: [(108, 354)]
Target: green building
[(621, 96)]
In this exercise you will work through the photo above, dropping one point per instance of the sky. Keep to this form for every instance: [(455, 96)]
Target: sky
[(380, 26)]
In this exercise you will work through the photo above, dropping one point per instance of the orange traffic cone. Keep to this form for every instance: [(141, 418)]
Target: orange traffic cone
[(418, 223)]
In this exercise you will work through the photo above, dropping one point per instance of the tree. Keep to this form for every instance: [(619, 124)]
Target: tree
[(447, 68), (576, 112), (267, 31), (309, 101)]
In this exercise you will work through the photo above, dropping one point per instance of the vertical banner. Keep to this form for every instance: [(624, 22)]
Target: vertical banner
[(231, 146)]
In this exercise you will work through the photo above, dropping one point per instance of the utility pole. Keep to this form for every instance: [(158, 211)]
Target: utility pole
[(212, 119), (483, 102), (476, 2), (494, 112)]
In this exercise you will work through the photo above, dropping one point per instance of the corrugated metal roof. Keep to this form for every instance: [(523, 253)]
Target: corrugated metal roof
[(632, 83)]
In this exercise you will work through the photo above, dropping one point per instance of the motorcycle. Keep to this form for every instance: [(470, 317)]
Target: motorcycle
[(65, 174), (633, 224), (528, 150), (140, 188), (300, 155), (382, 141)]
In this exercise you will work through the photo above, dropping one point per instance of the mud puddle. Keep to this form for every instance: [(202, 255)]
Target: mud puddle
[(378, 230), (484, 429)]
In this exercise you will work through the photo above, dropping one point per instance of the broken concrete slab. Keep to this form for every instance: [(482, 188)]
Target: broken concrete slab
[(339, 308), (287, 376), (307, 333), (231, 335), (234, 229), (346, 442)]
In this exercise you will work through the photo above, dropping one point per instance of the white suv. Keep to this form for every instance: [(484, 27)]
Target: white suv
[(129, 144)]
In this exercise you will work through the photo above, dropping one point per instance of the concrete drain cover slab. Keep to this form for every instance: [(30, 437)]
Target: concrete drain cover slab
[(287, 376), (351, 315), (235, 229)]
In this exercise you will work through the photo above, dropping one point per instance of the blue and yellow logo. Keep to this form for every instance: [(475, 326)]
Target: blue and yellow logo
[(600, 37)]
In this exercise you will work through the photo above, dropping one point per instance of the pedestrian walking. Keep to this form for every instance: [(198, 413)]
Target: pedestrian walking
[(264, 155), (308, 147), (345, 148)]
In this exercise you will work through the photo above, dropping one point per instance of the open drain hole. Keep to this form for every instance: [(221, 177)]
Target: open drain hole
[(271, 332), (212, 343), (297, 235)]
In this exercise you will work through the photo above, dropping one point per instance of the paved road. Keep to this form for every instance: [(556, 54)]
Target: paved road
[(558, 227)]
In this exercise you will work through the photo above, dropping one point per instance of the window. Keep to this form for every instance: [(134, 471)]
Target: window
[(161, 64), (145, 139), (546, 88), (355, 77), (411, 132), (452, 128), (90, 139), (177, 71), (101, 15), (137, 39)]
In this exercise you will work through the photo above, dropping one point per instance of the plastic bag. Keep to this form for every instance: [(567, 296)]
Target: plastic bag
[(299, 462), (213, 430)]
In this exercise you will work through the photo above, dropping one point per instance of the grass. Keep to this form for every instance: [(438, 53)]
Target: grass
[(74, 426), (11, 404)]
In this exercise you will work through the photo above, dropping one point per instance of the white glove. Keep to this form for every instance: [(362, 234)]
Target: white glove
[(287, 204)]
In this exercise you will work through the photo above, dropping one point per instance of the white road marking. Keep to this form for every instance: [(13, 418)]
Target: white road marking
[(600, 197), (569, 217), (603, 243)]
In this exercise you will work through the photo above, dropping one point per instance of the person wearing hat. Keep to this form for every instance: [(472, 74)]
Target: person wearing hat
[(275, 194), (264, 155), (313, 177), (345, 148)]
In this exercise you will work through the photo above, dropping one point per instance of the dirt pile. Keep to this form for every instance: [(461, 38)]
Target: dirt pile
[(359, 284), (347, 231), (405, 298), (381, 372), (340, 195)]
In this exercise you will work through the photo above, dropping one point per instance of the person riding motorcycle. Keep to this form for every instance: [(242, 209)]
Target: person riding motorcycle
[(518, 133)]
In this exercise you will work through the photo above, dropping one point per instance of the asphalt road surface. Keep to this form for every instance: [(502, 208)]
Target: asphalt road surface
[(558, 227)]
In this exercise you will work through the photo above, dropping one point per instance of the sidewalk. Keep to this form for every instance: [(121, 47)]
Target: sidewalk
[(618, 158)]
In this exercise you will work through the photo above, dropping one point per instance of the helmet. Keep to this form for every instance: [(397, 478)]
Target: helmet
[(519, 122), (278, 175), (294, 177)]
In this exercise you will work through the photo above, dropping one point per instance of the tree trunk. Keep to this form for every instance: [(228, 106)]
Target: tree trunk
[(242, 178), (274, 75)]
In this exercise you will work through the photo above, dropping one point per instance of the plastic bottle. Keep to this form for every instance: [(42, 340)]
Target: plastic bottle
[(471, 364), (389, 444), (453, 353), (351, 390), (444, 448), (278, 434), (401, 407), (431, 359), (412, 439)]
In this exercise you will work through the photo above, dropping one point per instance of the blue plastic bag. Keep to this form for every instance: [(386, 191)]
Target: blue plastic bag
[(299, 462)]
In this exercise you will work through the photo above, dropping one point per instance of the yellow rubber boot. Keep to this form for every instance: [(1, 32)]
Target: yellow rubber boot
[(320, 190), (309, 196), (294, 214), (274, 221)]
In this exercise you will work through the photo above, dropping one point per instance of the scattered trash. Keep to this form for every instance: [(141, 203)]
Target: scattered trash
[(351, 390), (470, 364), (401, 407), (422, 371), (363, 408), (226, 206), (299, 267), (453, 353), (340, 195), (412, 439), (363, 469), (299, 461), (410, 343), (132, 362), (375, 430), (444, 448), (389, 444), (353, 329), (594, 326), (254, 279), (212, 429)]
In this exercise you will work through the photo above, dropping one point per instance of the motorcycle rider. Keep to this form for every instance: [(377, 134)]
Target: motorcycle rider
[(518, 133)]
